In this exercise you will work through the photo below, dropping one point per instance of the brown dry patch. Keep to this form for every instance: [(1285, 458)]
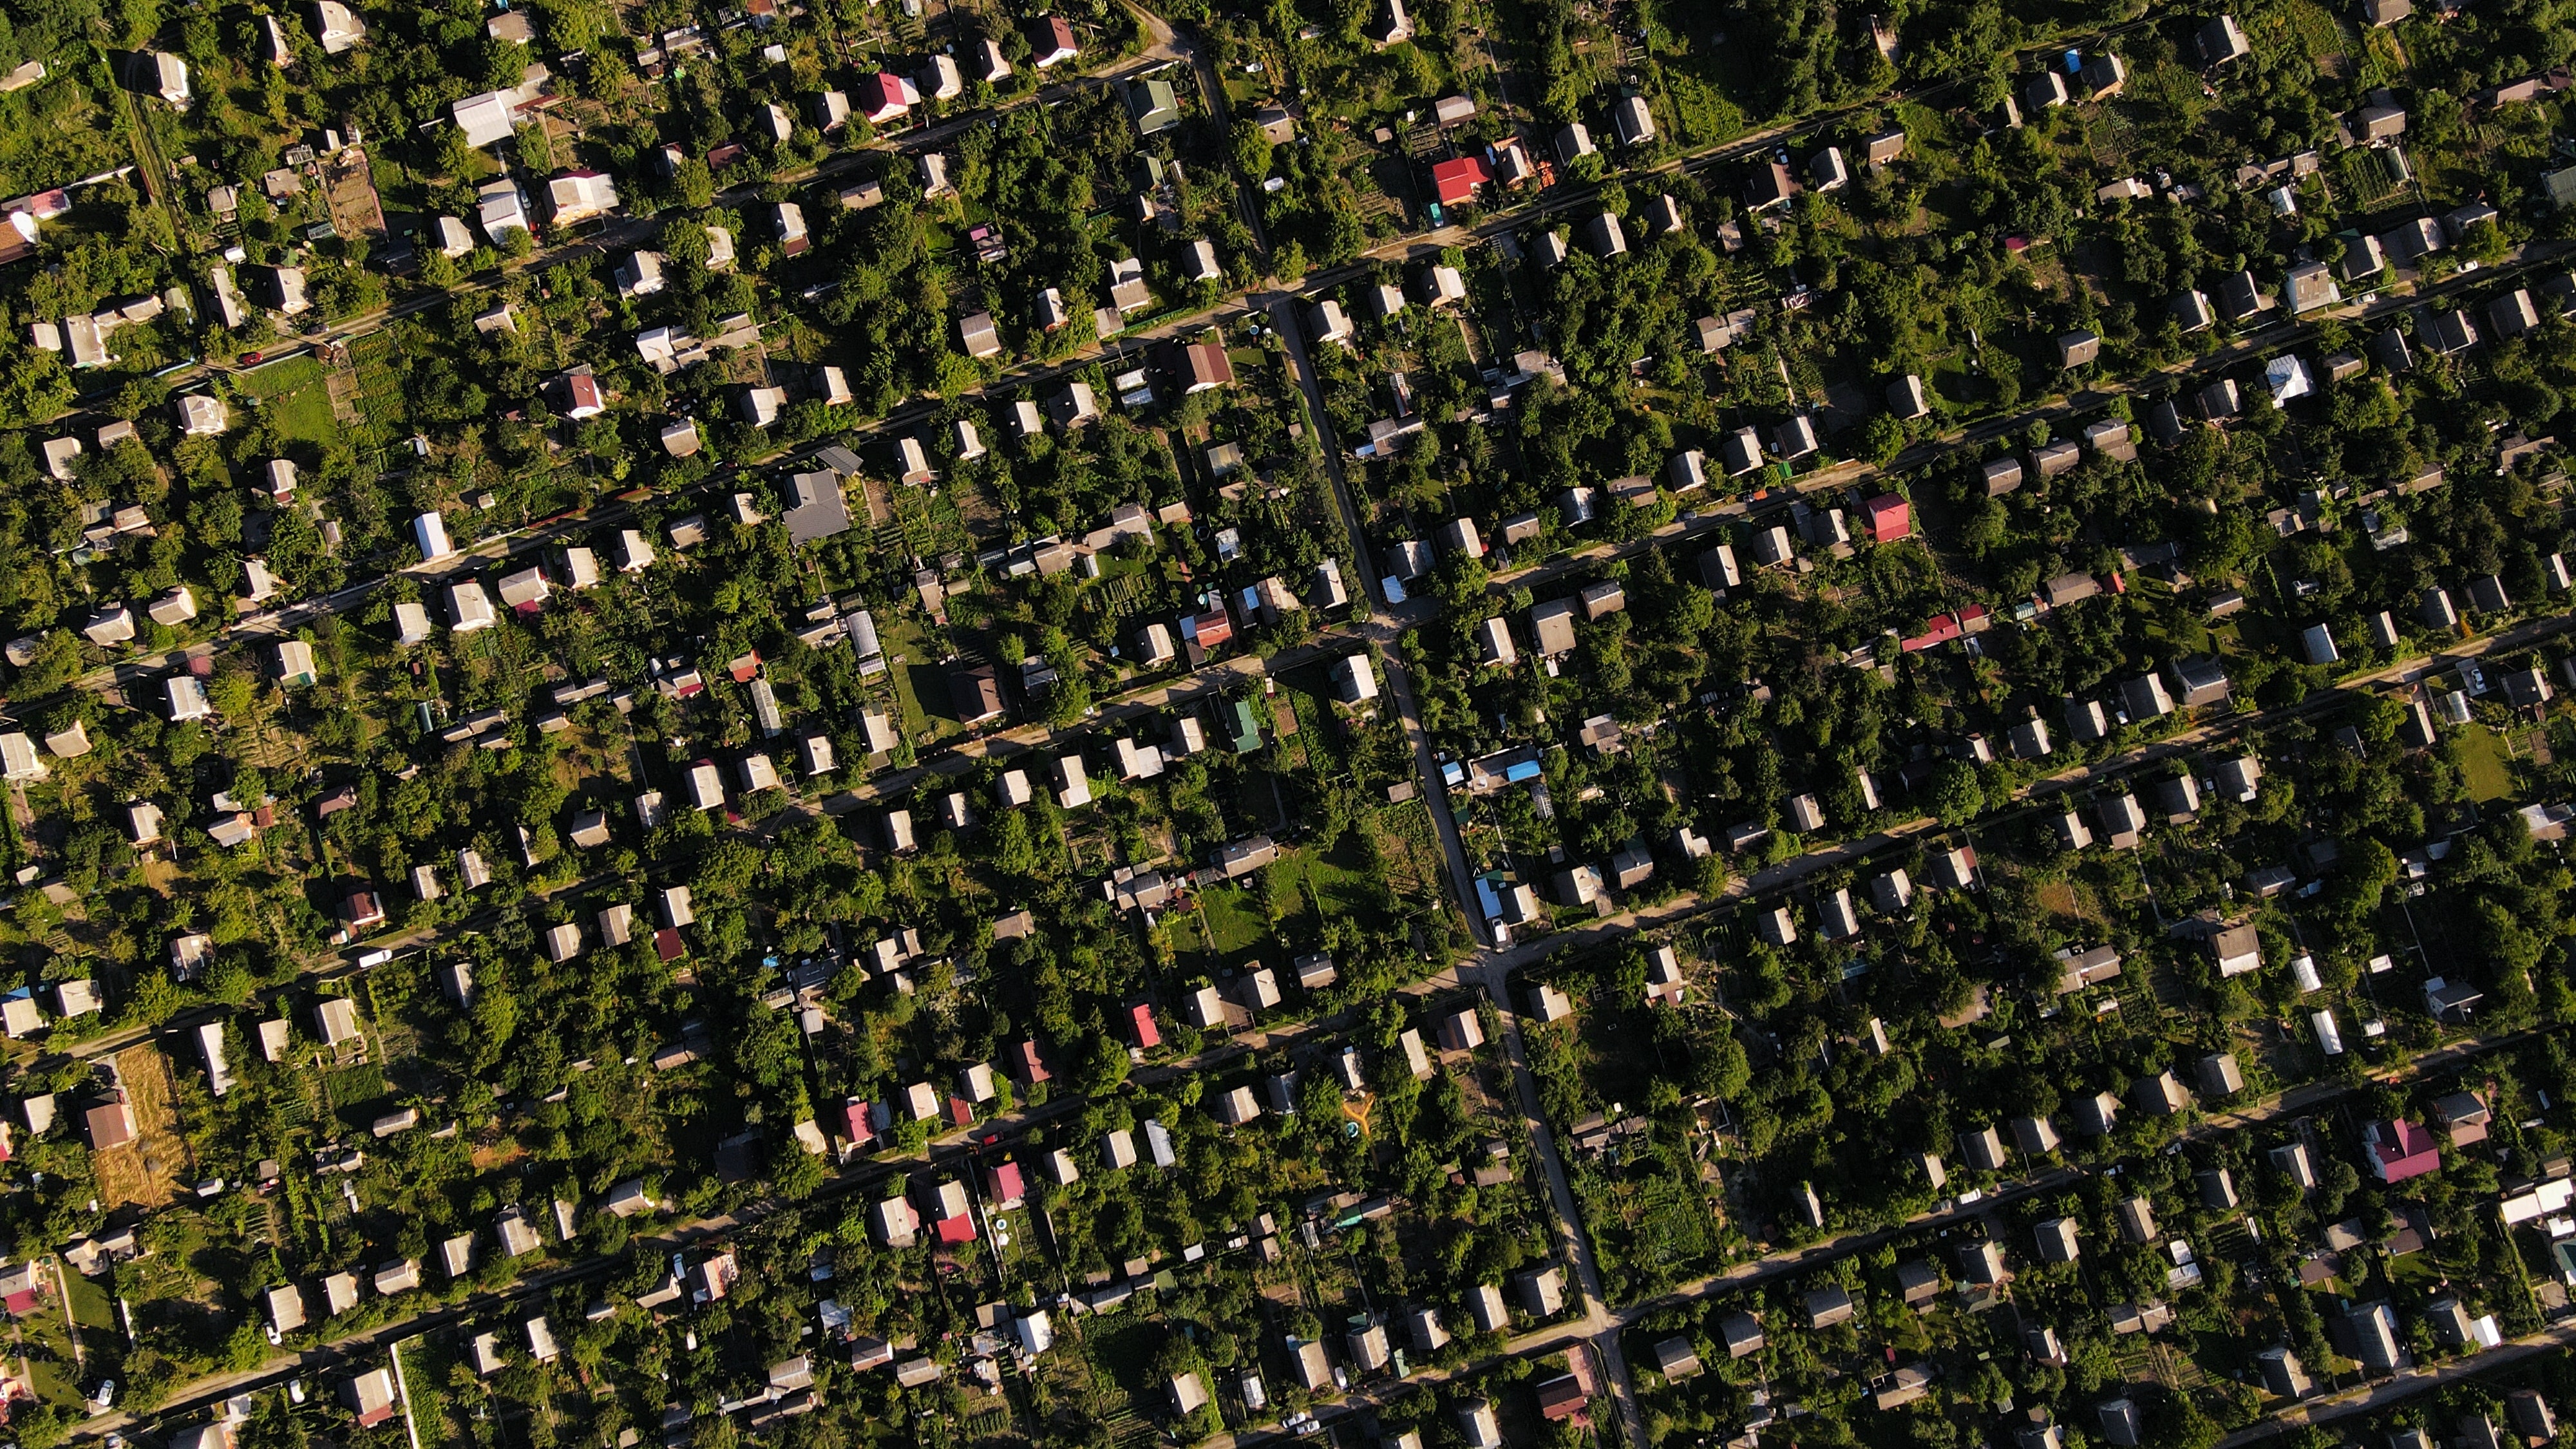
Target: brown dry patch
[(156, 1167), (497, 1154), (350, 192), (2058, 899)]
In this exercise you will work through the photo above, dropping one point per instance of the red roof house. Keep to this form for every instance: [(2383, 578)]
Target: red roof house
[(1456, 181), (1561, 1398), (855, 1125), (1053, 43), (1939, 629), (1004, 1187), (961, 1112), (959, 1229), (2400, 1149), (1141, 1029), (666, 944), (1032, 1067), (1890, 518), (883, 97), (581, 389), (1210, 629)]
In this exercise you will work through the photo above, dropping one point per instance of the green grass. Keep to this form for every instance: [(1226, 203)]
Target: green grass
[(2482, 763), (1233, 921), (1325, 885), (296, 398), (276, 379), (920, 684), (89, 1304)]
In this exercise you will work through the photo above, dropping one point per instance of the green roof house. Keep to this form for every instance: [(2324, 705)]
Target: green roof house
[(1240, 723)]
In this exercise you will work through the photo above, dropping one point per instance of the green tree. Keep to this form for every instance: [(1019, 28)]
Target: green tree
[(1957, 798)]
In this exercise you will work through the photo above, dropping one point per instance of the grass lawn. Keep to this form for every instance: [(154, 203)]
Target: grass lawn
[(295, 397), (920, 683), (1233, 921), (2482, 763), (47, 1345), (90, 1306), (1325, 885)]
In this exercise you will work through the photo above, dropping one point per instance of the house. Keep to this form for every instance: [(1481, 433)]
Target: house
[(106, 1124), (2282, 1374), (1154, 105), (1455, 182), (2221, 40), (2399, 1149), (187, 698), (1906, 396), (2034, 1136), (336, 27), (1742, 452), (2464, 1116), (2373, 1327), (1634, 122), (2201, 680), (578, 196), (1836, 916), (2531, 1416), (201, 415), (1051, 43), (2236, 950), (2074, 349), (502, 208), (154, 73), (2309, 286), (2057, 1241), (283, 288), (1542, 1291), (1827, 170), (1354, 679), (2096, 1115), (2113, 439), (1888, 518), (370, 1396), (1675, 1359), (2087, 968)]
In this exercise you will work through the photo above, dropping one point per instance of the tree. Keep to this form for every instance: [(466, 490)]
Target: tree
[(1105, 1065), (1252, 150), (798, 1174), (694, 185), (1957, 798)]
